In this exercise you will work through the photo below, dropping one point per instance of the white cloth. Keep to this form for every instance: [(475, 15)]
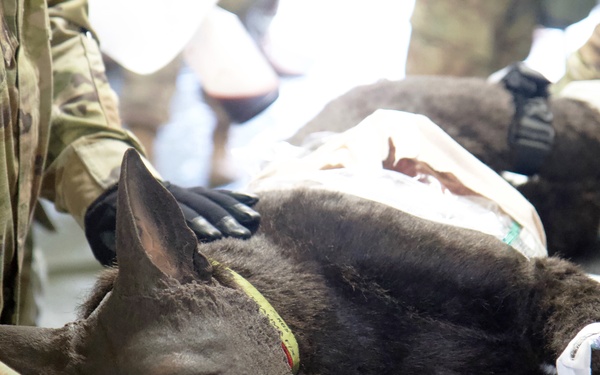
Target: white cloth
[(145, 35), (352, 162), (576, 358)]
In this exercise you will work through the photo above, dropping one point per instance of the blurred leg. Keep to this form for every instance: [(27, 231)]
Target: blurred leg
[(145, 102), (231, 67), (469, 37), (256, 15), (31, 286)]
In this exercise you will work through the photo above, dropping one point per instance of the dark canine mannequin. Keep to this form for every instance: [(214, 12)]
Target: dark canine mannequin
[(365, 288)]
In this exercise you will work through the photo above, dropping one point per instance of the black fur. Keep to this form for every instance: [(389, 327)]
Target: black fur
[(371, 290)]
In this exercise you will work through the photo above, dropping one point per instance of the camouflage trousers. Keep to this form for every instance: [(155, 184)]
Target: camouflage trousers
[(583, 64), (256, 15), (145, 101), (469, 37), (33, 278), (479, 37)]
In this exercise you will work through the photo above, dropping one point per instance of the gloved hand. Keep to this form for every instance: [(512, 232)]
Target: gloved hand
[(210, 213)]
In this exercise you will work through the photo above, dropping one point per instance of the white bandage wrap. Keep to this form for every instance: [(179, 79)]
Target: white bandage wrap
[(576, 358)]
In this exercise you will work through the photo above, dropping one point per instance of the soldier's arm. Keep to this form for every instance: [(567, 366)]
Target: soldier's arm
[(87, 142), (583, 64), (87, 146)]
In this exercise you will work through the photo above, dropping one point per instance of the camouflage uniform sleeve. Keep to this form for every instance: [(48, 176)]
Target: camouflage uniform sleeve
[(86, 142), (443, 40), (583, 64)]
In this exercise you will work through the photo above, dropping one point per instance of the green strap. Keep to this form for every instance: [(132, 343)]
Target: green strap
[(513, 233)]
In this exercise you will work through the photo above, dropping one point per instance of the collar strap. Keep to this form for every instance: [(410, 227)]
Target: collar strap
[(530, 135), (288, 341)]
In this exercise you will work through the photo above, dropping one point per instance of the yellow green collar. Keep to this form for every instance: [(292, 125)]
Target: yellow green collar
[(288, 341)]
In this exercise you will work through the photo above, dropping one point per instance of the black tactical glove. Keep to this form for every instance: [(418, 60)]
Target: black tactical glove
[(210, 213)]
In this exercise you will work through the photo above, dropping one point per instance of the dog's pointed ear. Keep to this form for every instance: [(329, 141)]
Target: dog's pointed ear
[(153, 240)]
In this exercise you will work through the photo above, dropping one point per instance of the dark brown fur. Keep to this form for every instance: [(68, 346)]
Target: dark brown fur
[(370, 290), (366, 289)]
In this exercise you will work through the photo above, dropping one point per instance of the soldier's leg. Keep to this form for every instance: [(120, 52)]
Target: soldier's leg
[(31, 285), (256, 15), (468, 37), (513, 32), (145, 102)]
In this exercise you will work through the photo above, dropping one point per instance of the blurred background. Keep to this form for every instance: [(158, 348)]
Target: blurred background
[(333, 46)]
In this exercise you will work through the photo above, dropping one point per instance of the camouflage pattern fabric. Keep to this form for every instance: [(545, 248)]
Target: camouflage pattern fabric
[(140, 90), (469, 37), (583, 64), (479, 37), (145, 101), (61, 135), (256, 15)]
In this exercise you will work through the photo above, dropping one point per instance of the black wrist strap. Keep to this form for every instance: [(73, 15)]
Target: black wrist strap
[(530, 135)]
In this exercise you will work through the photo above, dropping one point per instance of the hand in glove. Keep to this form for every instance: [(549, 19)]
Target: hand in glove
[(210, 213)]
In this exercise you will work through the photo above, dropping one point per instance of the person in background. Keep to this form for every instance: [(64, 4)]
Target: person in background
[(479, 37), (62, 140), (487, 38), (583, 64), (145, 98)]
